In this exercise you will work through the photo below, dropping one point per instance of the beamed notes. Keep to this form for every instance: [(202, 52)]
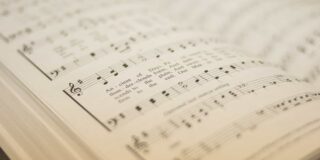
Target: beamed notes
[(132, 84)]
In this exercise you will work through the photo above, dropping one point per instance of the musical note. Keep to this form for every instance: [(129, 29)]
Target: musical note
[(122, 46), (247, 123), (116, 69), (37, 25), (198, 113), (139, 29), (192, 83)]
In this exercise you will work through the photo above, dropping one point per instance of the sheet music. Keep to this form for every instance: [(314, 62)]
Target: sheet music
[(135, 85), (284, 32)]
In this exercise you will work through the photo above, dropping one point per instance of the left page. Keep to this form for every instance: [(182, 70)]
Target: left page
[(134, 85)]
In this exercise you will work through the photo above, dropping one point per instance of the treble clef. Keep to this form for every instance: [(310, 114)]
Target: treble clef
[(75, 90), (140, 145), (27, 49)]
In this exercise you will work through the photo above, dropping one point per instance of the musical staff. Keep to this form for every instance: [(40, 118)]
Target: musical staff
[(123, 46), (151, 86), (89, 23), (198, 113), (180, 88), (114, 70), (38, 25), (78, 35), (306, 47), (67, 12), (247, 123), (291, 43), (285, 141)]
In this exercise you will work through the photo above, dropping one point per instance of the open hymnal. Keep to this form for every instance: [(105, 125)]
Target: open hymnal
[(160, 80)]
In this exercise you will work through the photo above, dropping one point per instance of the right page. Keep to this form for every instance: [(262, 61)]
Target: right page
[(284, 32)]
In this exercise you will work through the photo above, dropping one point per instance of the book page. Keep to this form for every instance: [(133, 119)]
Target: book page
[(134, 85), (284, 32)]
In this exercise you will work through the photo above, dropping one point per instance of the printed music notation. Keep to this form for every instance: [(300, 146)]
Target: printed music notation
[(75, 43), (285, 141), (114, 70), (180, 88), (247, 123), (313, 74), (121, 47), (198, 113), (309, 44), (51, 18), (120, 119), (87, 24), (37, 24), (270, 48), (306, 47)]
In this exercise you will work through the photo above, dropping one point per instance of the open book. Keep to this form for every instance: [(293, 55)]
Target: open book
[(160, 80)]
